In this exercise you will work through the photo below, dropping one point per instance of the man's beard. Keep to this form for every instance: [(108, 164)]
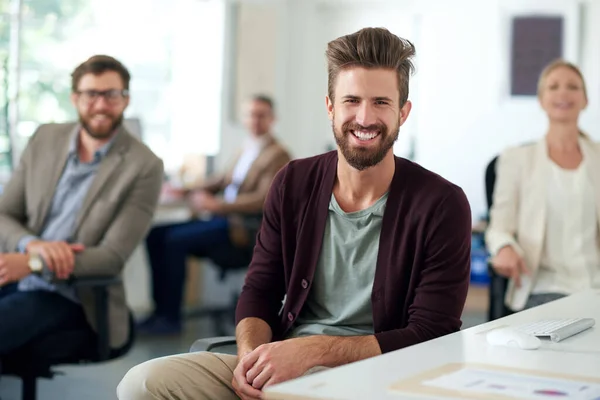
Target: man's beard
[(104, 133), (361, 158)]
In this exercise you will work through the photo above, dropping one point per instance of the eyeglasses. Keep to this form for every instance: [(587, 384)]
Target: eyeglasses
[(112, 96)]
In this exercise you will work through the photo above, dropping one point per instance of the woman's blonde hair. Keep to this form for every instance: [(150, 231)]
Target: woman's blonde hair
[(558, 64)]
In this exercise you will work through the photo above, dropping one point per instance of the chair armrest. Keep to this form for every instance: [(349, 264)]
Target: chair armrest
[(497, 290), (100, 286), (208, 344)]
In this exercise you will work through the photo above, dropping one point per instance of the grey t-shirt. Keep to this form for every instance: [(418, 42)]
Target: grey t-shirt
[(339, 302)]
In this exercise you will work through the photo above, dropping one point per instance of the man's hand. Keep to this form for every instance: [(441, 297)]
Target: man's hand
[(203, 201), (277, 362), (510, 264), (240, 385), (13, 267), (58, 256), (250, 333), (170, 193)]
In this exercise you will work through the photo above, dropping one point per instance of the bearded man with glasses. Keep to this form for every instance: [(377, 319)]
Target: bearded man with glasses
[(78, 204)]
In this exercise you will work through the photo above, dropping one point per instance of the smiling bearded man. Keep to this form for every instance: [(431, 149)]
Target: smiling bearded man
[(369, 252)]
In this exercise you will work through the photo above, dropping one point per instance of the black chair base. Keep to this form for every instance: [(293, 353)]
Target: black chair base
[(497, 308), (29, 385), (29, 376), (30, 367), (36, 360)]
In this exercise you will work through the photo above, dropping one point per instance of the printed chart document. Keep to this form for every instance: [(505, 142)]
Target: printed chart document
[(490, 382), (514, 385)]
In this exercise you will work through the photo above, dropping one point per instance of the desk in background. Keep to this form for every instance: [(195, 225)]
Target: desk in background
[(372, 378)]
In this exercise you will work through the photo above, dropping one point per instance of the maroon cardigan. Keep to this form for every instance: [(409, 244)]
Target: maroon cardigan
[(422, 272)]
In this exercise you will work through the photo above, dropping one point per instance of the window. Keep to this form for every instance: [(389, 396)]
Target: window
[(173, 49), (5, 148)]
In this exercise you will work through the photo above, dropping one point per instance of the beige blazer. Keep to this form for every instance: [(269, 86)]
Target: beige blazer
[(253, 190), (114, 218), (518, 214)]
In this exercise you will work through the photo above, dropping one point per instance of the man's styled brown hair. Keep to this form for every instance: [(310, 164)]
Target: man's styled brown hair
[(263, 98), (97, 65), (371, 48)]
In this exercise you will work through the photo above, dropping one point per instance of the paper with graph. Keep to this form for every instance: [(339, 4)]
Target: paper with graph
[(476, 381), (515, 385)]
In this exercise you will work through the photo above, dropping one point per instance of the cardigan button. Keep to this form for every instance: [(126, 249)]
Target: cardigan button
[(304, 283), (290, 317)]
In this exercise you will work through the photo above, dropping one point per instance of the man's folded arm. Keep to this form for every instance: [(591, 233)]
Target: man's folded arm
[(13, 203), (444, 282), (213, 184), (127, 230), (264, 287), (250, 333)]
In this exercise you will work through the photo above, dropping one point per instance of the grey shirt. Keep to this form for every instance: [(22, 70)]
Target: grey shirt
[(339, 302), (69, 195)]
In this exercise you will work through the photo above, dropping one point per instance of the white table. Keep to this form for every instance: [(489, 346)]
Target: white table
[(172, 213), (371, 378)]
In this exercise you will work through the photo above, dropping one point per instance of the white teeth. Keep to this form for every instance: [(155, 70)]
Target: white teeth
[(365, 135), (100, 118), (563, 105)]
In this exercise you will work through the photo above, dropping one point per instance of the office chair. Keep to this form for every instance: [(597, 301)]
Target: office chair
[(498, 284), (226, 262), (221, 344), (36, 361)]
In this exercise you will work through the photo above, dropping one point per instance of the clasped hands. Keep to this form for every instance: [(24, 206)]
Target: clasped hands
[(198, 200), (58, 256), (272, 363), (13, 267), (203, 201)]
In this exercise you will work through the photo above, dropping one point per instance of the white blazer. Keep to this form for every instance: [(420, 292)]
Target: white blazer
[(518, 213)]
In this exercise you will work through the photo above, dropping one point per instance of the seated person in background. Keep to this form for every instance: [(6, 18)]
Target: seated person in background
[(371, 251), (227, 236), (80, 201), (543, 232)]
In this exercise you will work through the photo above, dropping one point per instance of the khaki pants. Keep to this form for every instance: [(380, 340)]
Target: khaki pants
[(193, 376), (190, 376)]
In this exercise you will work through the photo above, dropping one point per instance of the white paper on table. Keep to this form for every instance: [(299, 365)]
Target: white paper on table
[(515, 385)]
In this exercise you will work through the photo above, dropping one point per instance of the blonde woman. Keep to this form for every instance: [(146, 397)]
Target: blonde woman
[(543, 232)]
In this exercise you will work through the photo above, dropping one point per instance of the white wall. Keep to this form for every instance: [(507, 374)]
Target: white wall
[(461, 116), (250, 13), (465, 114)]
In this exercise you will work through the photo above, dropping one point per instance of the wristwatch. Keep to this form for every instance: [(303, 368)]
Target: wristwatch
[(35, 263)]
